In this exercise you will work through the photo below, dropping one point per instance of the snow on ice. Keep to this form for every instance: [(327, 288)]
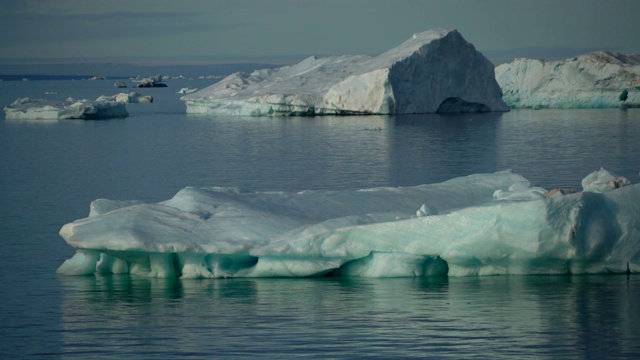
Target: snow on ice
[(483, 224), (433, 71)]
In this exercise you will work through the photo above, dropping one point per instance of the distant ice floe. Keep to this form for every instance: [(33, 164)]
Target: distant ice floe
[(187, 90), (130, 97), (152, 81), (40, 109), (482, 224), (602, 79)]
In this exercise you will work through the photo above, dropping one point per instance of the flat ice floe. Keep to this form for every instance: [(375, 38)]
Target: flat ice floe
[(481, 224), (39, 109)]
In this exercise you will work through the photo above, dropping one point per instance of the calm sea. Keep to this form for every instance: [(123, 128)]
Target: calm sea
[(51, 170)]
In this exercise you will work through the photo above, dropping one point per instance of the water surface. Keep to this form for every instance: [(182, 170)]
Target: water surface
[(51, 170)]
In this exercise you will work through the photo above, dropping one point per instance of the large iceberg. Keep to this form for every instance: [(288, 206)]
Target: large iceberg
[(481, 224), (596, 80), (40, 109), (433, 71)]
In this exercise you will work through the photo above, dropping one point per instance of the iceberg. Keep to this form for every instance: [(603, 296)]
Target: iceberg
[(133, 97), (601, 79), (152, 81), (433, 71), (482, 224), (40, 109), (187, 90), (130, 97), (603, 181)]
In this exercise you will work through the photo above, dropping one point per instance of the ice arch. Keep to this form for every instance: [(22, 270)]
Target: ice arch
[(458, 105)]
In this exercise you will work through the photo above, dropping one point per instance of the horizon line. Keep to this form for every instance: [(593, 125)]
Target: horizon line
[(269, 59)]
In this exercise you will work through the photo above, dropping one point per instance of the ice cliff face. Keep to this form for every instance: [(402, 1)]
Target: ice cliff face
[(434, 71), (595, 80)]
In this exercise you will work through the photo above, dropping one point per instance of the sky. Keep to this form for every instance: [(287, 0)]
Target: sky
[(190, 30)]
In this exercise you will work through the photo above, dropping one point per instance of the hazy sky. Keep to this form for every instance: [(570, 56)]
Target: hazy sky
[(213, 28)]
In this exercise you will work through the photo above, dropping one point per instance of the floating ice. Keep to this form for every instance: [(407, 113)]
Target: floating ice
[(595, 80), (434, 71), (130, 97), (223, 232), (187, 90), (152, 81), (602, 181), (39, 109)]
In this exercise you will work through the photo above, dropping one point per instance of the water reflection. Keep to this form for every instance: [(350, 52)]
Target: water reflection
[(435, 148), (288, 153), (568, 148), (501, 317)]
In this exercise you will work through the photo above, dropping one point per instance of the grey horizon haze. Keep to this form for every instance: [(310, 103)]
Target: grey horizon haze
[(208, 29)]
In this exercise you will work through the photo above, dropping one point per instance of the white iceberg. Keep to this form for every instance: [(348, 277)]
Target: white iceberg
[(152, 81), (40, 109), (433, 71), (130, 97), (187, 90), (133, 97), (603, 181), (223, 232), (595, 80)]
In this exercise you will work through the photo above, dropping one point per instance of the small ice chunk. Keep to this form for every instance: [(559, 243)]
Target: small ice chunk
[(602, 181), (426, 210)]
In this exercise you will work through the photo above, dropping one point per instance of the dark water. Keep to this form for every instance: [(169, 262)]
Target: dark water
[(51, 171)]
